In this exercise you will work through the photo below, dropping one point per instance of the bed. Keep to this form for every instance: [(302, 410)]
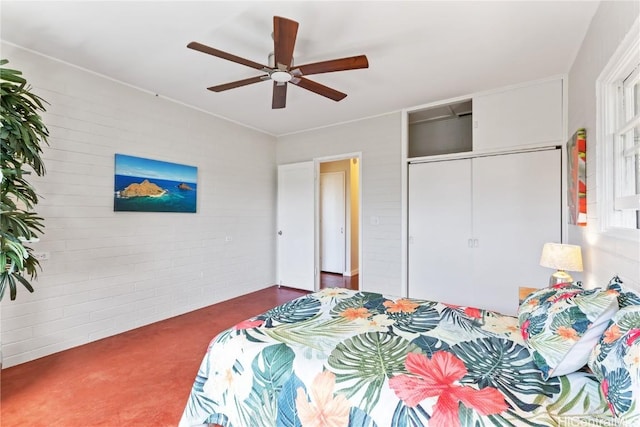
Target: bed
[(346, 358)]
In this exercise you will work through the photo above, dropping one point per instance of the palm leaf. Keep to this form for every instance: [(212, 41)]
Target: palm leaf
[(364, 362), (376, 305), (594, 302), (551, 347), (620, 391), (575, 398), (404, 416), (510, 418), (271, 368), (470, 418), (629, 321), (460, 320), (314, 333), (507, 366), (359, 300), (294, 311), (287, 411), (218, 419), (359, 418), (429, 344), (540, 296), (536, 323), (627, 299), (423, 319), (572, 318)]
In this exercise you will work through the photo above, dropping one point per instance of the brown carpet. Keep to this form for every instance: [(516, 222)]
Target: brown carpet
[(139, 378)]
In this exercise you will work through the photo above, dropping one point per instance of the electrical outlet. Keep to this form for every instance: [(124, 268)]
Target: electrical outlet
[(228, 239), (41, 256)]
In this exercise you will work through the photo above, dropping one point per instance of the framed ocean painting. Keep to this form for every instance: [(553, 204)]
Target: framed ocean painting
[(145, 185)]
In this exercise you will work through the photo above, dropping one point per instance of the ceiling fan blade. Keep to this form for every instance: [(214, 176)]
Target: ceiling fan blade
[(224, 55), (279, 95), (284, 40), (318, 88), (232, 85), (342, 64)]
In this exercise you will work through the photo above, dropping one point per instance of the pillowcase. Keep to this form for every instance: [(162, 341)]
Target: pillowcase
[(615, 361), (562, 324), (626, 297)]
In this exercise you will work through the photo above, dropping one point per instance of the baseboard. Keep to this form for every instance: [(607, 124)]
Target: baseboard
[(353, 272)]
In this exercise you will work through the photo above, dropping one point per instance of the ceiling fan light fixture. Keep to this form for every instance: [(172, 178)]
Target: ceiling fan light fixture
[(280, 76)]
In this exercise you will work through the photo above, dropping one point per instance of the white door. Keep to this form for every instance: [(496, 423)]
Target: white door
[(296, 225), (440, 253), (516, 209), (332, 222)]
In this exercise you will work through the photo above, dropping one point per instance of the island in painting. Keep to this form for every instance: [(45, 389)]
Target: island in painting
[(147, 185)]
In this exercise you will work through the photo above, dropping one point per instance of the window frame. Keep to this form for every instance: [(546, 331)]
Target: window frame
[(609, 91)]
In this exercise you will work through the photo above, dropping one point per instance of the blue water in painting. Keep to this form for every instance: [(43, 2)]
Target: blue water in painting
[(174, 200)]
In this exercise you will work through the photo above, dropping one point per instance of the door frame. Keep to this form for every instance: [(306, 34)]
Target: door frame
[(326, 159)]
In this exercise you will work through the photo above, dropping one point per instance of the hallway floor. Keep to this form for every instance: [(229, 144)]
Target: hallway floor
[(138, 378), (334, 280)]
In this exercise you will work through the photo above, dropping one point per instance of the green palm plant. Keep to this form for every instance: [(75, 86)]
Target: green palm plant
[(22, 134)]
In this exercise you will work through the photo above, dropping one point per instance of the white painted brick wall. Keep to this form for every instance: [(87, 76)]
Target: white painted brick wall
[(378, 139), (113, 271)]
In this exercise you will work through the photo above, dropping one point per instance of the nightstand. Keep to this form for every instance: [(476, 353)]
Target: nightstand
[(523, 292)]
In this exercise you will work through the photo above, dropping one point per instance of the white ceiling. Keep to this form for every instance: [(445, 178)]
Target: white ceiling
[(418, 51)]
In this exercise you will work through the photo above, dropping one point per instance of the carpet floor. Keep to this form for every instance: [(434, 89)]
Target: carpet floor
[(138, 378)]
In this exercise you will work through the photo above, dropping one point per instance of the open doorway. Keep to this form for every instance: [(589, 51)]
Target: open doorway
[(339, 223)]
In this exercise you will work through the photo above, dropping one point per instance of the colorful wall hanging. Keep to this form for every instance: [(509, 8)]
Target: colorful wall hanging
[(577, 178)]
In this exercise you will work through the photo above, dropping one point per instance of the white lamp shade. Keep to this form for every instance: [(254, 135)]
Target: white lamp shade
[(561, 257)]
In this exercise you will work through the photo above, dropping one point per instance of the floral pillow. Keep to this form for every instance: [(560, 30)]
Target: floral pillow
[(615, 361), (626, 297), (562, 324)]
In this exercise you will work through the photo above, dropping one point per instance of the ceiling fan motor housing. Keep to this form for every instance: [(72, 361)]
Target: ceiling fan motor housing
[(278, 74), (271, 61)]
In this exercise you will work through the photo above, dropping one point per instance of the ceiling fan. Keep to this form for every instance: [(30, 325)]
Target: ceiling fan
[(282, 70)]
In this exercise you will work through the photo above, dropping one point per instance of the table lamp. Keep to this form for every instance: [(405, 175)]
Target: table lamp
[(563, 258)]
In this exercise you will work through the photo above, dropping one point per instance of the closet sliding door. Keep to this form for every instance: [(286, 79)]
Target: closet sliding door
[(477, 227), (440, 261), (516, 209)]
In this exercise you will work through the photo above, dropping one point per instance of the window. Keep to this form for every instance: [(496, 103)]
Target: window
[(619, 122), (626, 152)]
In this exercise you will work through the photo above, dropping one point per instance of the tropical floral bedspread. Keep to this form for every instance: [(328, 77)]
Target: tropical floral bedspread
[(345, 358)]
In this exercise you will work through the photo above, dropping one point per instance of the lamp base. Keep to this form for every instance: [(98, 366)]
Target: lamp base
[(560, 276)]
